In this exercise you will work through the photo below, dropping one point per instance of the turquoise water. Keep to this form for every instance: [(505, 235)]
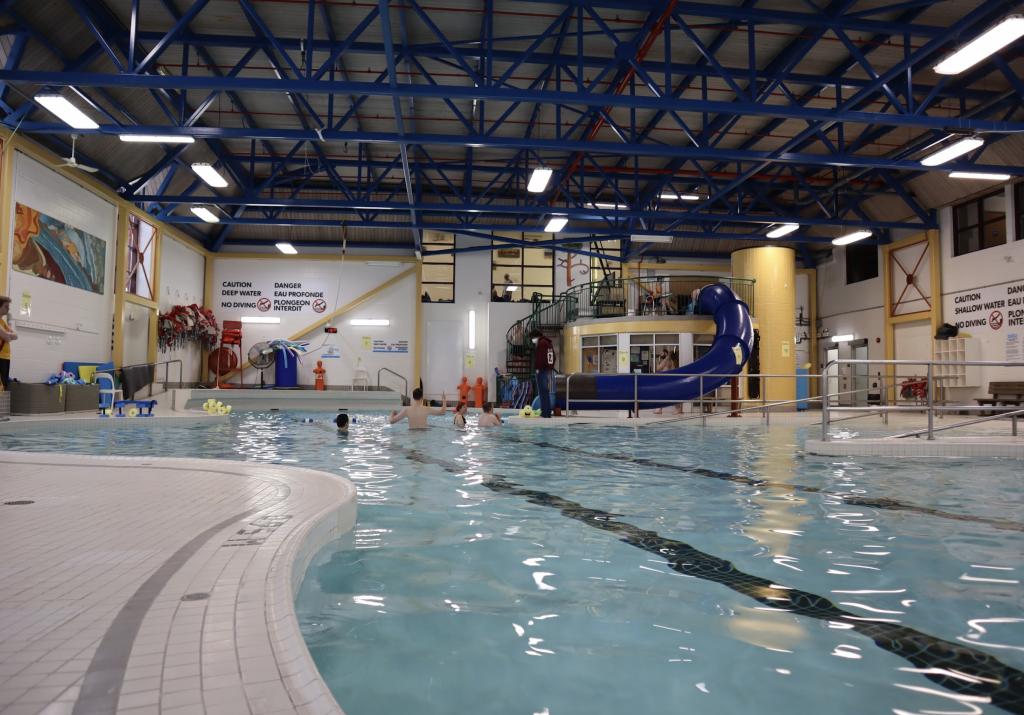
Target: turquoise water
[(602, 569)]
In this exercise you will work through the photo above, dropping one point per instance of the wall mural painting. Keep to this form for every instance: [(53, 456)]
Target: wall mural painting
[(51, 249)]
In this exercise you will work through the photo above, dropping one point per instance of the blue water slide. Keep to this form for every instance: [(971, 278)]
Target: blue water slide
[(730, 350)]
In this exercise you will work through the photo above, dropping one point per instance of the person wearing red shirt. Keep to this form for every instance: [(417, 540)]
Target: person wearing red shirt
[(543, 365)]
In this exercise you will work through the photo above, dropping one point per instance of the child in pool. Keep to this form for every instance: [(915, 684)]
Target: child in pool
[(342, 423), (489, 418)]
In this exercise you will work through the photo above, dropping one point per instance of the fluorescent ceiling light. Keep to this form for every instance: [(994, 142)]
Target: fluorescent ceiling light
[(152, 139), (783, 230), (65, 111), (260, 319), (952, 151), (371, 321), (539, 180), (673, 196), (842, 338), (286, 248), (988, 43), (637, 238), (978, 176), (850, 238), (208, 174), (556, 224), (511, 289), (205, 214), (611, 206), (472, 330), (384, 263)]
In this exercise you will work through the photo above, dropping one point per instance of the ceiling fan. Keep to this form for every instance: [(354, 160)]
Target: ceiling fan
[(70, 161)]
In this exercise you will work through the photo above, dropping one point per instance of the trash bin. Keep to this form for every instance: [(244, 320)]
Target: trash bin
[(286, 369)]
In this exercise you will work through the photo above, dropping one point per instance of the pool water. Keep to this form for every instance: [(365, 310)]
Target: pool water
[(609, 569)]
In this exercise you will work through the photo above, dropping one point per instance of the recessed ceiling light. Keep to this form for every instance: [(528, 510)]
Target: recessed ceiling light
[(783, 230), (286, 248), (210, 175), (986, 44), (850, 238), (978, 176), (153, 139), (556, 224), (952, 151), (205, 214), (539, 180), (65, 110)]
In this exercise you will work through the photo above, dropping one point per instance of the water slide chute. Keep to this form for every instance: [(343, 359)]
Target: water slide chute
[(730, 350)]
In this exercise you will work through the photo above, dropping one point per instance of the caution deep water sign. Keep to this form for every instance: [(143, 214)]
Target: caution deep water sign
[(272, 296)]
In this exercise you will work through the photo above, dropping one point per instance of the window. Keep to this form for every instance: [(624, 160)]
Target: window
[(979, 223), (645, 348), (861, 263), (525, 270), (139, 263), (601, 268), (600, 354), (1018, 208), (438, 272)]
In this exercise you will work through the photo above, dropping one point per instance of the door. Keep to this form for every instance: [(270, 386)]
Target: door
[(444, 358), (912, 341), (860, 373)]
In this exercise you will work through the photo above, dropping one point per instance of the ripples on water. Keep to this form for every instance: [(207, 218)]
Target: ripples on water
[(449, 596)]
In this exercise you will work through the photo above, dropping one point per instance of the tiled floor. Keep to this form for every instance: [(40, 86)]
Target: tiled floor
[(143, 586)]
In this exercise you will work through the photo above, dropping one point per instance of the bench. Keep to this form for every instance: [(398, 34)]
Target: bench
[(1004, 394), (139, 405)]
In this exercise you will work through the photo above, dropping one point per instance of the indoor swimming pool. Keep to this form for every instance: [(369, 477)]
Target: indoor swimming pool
[(609, 569)]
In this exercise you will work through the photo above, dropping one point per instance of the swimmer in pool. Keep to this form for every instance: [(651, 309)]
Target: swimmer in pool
[(342, 423), (417, 412), (460, 414), (489, 418)]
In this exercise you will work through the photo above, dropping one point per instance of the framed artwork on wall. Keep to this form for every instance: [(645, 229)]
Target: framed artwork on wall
[(51, 249)]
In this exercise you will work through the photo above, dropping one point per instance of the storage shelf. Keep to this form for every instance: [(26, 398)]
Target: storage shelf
[(958, 350)]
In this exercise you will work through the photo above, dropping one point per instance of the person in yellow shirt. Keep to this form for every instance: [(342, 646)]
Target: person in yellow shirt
[(7, 335)]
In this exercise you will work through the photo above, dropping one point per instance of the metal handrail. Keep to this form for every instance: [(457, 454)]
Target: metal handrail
[(930, 380), (167, 371), (1012, 415), (384, 369)]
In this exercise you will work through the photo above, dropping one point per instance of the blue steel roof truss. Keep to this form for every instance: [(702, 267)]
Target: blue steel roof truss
[(659, 131)]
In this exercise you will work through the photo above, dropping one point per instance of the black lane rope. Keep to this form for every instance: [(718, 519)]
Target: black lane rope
[(846, 497), (954, 666)]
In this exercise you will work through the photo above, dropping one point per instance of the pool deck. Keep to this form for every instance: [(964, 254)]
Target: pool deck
[(145, 586)]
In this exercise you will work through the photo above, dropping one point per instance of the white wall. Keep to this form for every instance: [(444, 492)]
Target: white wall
[(182, 280), (86, 315), (136, 335), (396, 304), (997, 268), (849, 310)]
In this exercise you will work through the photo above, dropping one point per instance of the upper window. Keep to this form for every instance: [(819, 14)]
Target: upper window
[(979, 223), (518, 273), (1018, 207), (602, 268), (139, 263), (438, 279), (861, 263)]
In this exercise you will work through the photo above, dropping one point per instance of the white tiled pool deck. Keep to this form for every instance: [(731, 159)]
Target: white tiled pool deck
[(141, 586)]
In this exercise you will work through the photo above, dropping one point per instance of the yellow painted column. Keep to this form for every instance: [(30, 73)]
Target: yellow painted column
[(774, 270)]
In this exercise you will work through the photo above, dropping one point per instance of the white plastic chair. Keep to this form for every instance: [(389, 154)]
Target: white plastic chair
[(360, 375), (103, 379)]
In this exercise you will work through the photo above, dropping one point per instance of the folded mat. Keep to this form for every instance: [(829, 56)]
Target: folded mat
[(135, 378)]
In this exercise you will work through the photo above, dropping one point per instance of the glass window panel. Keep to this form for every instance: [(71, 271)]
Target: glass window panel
[(440, 292), (514, 274), (438, 273), (993, 205), (537, 276), (994, 233), (967, 215), (609, 339), (667, 339), (591, 340), (967, 241), (438, 238), (642, 339), (535, 257), (508, 260), (1018, 206), (443, 258)]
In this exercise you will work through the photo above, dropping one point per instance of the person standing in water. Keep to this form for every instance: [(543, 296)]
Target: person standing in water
[(460, 414), (489, 418), (417, 412)]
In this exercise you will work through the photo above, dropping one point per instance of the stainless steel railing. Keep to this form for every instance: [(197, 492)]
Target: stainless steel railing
[(405, 390), (931, 382)]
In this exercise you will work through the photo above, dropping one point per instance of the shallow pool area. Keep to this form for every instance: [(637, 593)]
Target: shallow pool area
[(531, 570)]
